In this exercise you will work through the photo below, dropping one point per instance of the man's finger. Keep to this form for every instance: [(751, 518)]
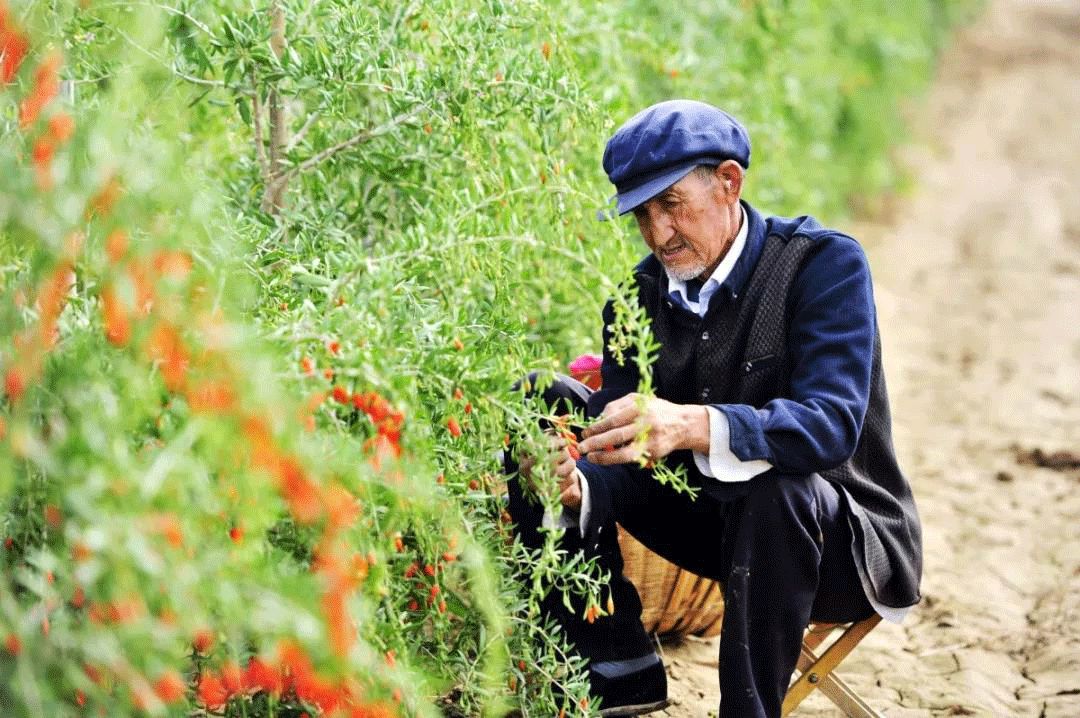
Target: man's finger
[(565, 466), (627, 415), (571, 497), (616, 404), (622, 455), (615, 437)]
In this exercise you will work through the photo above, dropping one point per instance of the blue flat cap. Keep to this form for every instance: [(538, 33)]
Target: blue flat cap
[(659, 146)]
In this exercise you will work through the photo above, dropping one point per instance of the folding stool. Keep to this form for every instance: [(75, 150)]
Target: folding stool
[(816, 671)]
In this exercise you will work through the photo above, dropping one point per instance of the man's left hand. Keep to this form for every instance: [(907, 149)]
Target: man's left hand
[(664, 426)]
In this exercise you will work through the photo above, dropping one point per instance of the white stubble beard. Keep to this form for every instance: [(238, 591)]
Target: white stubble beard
[(685, 273)]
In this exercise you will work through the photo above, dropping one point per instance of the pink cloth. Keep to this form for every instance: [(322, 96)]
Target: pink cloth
[(586, 369), (586, 362)]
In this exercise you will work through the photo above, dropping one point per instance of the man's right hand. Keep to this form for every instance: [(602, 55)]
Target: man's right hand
[(568, 474), (564, 462)]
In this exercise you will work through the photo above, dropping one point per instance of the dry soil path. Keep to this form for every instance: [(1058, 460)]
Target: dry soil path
[(977, 278)]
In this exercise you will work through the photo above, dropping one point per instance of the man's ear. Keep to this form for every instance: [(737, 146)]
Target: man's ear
[(729, 174)]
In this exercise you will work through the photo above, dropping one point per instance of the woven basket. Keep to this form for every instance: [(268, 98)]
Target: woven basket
[(674, 601)]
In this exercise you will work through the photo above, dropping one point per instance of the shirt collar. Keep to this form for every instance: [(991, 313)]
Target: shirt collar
[(677, 287)]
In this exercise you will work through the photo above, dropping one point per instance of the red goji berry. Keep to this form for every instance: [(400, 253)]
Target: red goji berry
[(13, 48), (203, 641), (53, 516), (116, 245), (170, 687), (211, 691), (61, 127)]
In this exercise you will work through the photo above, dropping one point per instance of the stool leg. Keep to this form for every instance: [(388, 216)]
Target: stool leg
[(817, 670), (840, 693)]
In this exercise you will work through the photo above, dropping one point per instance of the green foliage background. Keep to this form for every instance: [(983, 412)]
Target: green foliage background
[(465, 214)]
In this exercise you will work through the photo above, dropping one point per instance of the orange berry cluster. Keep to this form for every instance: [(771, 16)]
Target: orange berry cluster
[(290, 674), (13, 46), (419, 576)]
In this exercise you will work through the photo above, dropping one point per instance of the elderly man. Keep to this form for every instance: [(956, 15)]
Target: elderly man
[(769, 391)]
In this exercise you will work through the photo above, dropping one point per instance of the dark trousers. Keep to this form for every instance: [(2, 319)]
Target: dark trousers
[(781, 546)]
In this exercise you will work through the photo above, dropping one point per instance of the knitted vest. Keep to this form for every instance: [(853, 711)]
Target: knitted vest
[(736, 354)]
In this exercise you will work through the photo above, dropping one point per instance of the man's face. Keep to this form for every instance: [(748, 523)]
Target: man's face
[(690, 225)]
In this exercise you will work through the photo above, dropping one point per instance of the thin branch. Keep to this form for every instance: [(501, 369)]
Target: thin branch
[(299, 136), (167, 8), (197, 80), (181, 13), (172, 67), (256, 117), (90, 80), (357, 139)]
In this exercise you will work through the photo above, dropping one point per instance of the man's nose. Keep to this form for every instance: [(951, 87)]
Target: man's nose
[(661, 228)]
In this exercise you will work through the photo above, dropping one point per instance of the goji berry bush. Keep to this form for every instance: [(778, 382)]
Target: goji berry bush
[(270, 271)]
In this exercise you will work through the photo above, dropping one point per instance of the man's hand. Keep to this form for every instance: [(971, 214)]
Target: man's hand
[(568, 474), (667, 427), (564, 461)]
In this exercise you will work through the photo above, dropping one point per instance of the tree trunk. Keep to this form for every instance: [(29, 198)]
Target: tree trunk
[(277, 183)]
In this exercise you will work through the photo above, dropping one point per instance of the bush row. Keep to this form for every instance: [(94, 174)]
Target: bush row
[(269, 273)]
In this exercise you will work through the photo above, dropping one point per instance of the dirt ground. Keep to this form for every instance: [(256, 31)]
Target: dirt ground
[(977, 278)]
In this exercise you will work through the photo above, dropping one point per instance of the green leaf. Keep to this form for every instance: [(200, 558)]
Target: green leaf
[(243, 106)]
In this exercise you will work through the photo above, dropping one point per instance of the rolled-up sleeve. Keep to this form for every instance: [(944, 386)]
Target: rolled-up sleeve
[(830, 350), (721, 463)]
